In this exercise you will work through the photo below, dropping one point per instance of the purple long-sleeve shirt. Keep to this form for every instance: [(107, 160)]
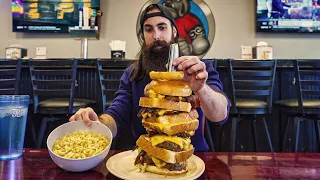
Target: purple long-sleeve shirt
[(125, 106)]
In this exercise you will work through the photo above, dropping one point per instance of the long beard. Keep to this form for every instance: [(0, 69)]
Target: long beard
[(154, 59)]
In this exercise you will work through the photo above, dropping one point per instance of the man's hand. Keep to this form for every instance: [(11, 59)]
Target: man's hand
[(196, 75), (85, 114), (184, 46), (195, 72), (88, 115)]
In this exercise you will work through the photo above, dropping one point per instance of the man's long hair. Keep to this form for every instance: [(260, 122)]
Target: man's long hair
[(151, 59)]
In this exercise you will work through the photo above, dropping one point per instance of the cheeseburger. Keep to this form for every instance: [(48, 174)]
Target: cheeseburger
[(170, 119)]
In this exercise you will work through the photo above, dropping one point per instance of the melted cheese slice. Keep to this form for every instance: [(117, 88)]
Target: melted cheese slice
[(162, 126), (153, 94), (160, 113), (183, 143), (191, 133), (145, 115), (159, 163)]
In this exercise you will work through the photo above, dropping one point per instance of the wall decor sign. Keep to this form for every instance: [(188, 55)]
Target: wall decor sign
[(195, 23)]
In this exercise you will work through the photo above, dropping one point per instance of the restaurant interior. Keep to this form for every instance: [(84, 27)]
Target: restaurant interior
[(268, 65)]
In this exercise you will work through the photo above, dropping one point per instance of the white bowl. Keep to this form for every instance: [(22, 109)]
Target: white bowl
[(78, 165)]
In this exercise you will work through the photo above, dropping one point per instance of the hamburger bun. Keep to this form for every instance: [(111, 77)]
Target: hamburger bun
[(169, 88), (172, 129), (178, 75), (164, 104), (163, 154), (174, 118)]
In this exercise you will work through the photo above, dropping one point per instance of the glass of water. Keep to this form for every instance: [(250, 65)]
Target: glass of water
[(13, 120)]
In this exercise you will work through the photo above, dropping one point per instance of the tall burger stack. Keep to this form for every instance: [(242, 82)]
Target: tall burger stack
[(170, 119)]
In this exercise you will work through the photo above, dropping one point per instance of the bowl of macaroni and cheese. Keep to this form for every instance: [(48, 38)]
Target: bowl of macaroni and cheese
[(76, 147)]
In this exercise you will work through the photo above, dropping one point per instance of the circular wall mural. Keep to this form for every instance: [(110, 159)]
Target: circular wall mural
[(195, 23)]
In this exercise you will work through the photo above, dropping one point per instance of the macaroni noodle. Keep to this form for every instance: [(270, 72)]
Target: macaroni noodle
[(80, 144)]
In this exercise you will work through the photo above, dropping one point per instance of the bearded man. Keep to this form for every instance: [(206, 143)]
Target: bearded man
[(159, 31)]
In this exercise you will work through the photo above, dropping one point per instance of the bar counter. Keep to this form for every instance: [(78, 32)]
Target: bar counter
[(87, 86), (90, 63), (37, 164)]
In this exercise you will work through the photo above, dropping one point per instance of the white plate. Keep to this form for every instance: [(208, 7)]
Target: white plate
[(122, 166)]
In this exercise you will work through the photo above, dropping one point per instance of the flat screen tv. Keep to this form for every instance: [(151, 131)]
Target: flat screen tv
[(302, 16), (48, 15)]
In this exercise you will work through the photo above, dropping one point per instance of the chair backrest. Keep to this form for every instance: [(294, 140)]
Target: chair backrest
[(214, 63), (307, 73), (53, 79), (10, 73), (252, 80), (110, 72)]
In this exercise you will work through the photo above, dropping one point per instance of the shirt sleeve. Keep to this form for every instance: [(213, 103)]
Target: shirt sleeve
[(121, 108), (214, 82)]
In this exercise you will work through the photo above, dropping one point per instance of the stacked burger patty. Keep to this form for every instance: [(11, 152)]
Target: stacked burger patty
[(169, 116)]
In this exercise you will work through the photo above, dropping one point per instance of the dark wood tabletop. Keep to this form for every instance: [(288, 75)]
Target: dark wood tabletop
[(37, 164)]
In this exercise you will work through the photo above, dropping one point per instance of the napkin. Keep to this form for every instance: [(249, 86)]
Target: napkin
[(118, 45)]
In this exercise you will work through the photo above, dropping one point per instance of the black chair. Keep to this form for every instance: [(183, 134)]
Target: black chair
[(110, 72), (307, 104), (251, 90), (10, 74), (208, 124), (53, 85)]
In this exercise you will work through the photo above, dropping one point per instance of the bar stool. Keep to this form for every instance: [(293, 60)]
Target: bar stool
[(307, 104), (251, 90), (53, 85), (110, 73), (10, 74)]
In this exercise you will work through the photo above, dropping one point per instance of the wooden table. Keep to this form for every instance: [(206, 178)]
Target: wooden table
[(37, 164)]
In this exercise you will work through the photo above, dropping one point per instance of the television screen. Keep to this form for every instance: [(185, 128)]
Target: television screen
[(48, 15), (288, 16)]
